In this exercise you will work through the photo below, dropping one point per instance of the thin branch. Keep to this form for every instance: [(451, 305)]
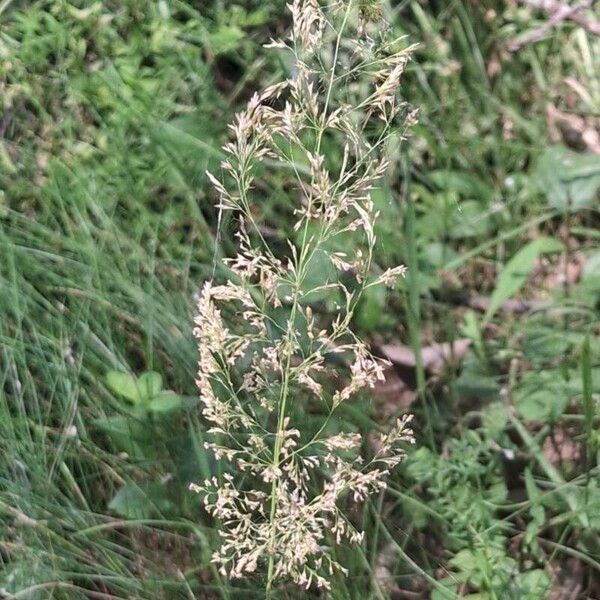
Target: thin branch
[(561, 13), (551, 6)]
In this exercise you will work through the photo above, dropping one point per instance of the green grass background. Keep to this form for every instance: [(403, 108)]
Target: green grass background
[(110, 113)]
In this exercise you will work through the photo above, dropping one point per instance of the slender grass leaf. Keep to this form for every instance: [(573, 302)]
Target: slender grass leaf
[(587, 399), (517, 270)]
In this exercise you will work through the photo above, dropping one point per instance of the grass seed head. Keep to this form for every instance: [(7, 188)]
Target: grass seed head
[(343, 91)]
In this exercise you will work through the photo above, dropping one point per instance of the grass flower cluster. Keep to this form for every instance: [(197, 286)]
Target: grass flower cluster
[(279, 501)]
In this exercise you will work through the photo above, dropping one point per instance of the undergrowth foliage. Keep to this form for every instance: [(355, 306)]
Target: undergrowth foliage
[(343, 93)]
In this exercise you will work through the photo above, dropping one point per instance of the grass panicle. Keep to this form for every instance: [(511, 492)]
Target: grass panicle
[(344, 93)]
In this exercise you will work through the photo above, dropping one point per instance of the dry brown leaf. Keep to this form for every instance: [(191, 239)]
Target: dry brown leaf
[(435, 356), (512, 306), (392, 395), (573, 130), (562, 272), (567, 578), (561, 446)]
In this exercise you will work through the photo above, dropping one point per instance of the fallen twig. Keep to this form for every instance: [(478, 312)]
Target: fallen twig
[(511, 306), (551, 6), (559, 13)]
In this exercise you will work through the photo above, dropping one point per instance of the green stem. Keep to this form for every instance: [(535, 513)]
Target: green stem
[(552, 473), (414, 301), (302, 261), (277, 450)]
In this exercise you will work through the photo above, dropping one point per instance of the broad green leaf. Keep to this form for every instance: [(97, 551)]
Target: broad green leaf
[(253, 18), (446, 589), (465, 564), (138, 391), (471, 384), (494, 419), (541, 343), (471, 328), (470, 219), (542, 402), (592, 267), (533, 585), (226, 39), (464, 183), (422, 464), (140, 501), (438, 254), (150, 384), (319, 272), (517, 270), (126, 385), (568, 179), (131, 502), (371, 308), (164, 402)]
